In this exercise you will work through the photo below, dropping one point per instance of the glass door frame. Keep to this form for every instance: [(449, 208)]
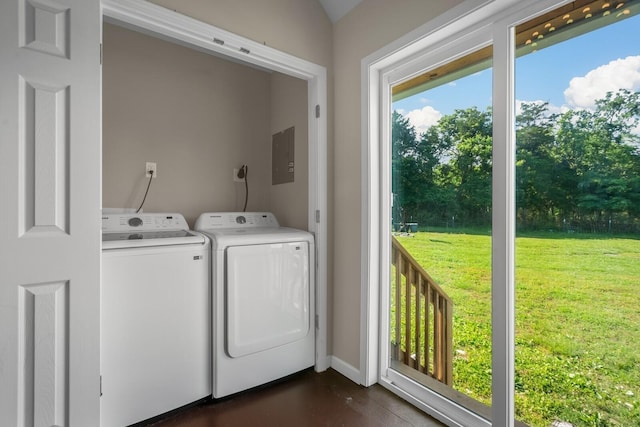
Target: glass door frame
[(467, 27)]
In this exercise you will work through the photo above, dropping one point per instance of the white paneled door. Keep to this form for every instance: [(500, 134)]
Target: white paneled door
[(50, 171)]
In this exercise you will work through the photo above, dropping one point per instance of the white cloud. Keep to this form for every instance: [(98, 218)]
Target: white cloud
[(551, 109), (423, 118), (618, 74)]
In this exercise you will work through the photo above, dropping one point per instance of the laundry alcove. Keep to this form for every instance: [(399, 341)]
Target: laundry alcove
[(155, 110)]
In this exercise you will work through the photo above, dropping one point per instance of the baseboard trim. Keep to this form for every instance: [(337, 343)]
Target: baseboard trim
[(346, 369)]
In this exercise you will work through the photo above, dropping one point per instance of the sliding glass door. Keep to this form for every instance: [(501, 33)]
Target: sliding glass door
[(440, 282), (507, 214)]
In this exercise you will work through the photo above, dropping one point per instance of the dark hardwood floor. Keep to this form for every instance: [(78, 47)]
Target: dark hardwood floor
[(305, 399)]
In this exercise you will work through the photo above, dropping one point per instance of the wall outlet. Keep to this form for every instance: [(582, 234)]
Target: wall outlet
[(235, 175), (151, 166)]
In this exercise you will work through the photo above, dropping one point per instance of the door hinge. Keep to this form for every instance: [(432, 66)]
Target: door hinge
[(100, 53), (317, 217), (317, 111), (100, 385), (317, 321)]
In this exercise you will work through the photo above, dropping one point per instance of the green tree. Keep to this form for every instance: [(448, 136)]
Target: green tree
[(405, 177), (468, 133), (581, 166), (537, 169), (601, 150)]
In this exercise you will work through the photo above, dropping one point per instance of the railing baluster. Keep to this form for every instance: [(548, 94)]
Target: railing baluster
[(407, 315), (448, 378), (399, 267), (418, 294), (437, 345), (427, 326)]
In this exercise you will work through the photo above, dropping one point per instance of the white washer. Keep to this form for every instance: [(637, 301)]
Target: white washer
[(155, 317), (263, 289)]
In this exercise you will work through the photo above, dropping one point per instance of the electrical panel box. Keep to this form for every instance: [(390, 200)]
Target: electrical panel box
[(282, 156)]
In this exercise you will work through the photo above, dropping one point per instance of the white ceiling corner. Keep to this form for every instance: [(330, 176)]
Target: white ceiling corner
[(336, 9)]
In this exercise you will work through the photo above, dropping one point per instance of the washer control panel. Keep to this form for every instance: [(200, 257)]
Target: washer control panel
[(143, 222), (218, 220)]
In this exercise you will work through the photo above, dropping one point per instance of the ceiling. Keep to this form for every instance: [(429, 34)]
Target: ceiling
[(336, 9)]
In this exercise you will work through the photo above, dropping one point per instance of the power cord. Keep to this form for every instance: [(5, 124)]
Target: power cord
[(146, 192), (246, 187)]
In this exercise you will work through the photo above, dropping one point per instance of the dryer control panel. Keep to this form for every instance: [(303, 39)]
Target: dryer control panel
[(222, 220)]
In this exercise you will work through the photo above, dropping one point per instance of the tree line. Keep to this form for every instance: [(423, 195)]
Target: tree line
[(578, 170)]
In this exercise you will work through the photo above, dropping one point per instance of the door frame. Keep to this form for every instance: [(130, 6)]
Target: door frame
[(157, 21), (482, 20)]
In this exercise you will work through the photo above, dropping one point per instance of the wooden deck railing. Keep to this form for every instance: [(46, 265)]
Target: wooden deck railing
[(422, 322)]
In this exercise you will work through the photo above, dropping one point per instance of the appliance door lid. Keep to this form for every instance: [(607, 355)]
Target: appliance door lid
[(267, 296)]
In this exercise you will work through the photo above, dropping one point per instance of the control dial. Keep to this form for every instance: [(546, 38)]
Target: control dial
[(241, 219), (135, 221)]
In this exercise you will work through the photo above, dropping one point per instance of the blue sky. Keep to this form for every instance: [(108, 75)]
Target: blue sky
[(570, 74)]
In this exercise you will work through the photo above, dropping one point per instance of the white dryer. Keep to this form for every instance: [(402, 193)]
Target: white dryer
[(155, 318), (263, 288)]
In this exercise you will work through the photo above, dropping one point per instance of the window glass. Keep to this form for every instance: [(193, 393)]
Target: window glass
[(578, 216), (440, 311)]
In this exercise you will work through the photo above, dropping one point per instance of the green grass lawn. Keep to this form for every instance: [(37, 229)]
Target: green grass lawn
[(577, 322)]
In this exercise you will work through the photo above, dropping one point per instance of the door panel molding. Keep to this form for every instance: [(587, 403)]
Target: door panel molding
[(44, 351), (44, 152), (45, 27)]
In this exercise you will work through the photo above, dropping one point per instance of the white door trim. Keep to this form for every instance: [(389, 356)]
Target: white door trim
[(166, 24), (379, 72)]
